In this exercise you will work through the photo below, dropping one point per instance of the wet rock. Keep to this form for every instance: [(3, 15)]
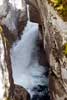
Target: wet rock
[(36, 16), (8, 89), (34, 11), (6, 79), (11, 37), (20, 93), (54, 31)]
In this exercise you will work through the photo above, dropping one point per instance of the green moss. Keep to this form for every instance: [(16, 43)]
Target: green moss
[(8, 98), (65, 49), (61, 7)]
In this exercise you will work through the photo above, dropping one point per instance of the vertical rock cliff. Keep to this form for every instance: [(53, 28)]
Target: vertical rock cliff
[(10, 19), (54, 32)]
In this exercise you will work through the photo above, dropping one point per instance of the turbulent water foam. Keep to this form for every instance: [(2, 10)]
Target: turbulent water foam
[(26, 70)]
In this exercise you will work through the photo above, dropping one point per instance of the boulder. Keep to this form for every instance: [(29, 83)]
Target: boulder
[(20, 93)]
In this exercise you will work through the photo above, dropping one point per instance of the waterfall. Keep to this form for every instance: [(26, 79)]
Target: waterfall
[(24, 55), (27, 71), (28, 14)]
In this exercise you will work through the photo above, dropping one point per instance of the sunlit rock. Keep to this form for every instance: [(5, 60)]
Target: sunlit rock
[(9, 91), (6, 80), (13, 15), (55, 38)]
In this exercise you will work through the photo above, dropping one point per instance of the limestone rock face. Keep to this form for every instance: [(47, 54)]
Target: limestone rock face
[(36, 16), (3, 7), (57, 38), (6, 79), (7, 87), (14, 15), (34, 12), (54, 31)]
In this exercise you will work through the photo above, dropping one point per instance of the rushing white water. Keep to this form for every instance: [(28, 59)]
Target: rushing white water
[(26, 70), (18, 5), (24, 56), (28, 14)]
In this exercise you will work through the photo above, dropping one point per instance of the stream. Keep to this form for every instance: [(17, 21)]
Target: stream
[(27, 71), (25, 53)]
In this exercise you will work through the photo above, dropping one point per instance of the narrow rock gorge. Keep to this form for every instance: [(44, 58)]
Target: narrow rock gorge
[(33, 50)]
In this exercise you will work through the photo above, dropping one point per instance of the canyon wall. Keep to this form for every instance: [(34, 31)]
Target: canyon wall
[(9, 29), (54, 33), (8, 89)]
